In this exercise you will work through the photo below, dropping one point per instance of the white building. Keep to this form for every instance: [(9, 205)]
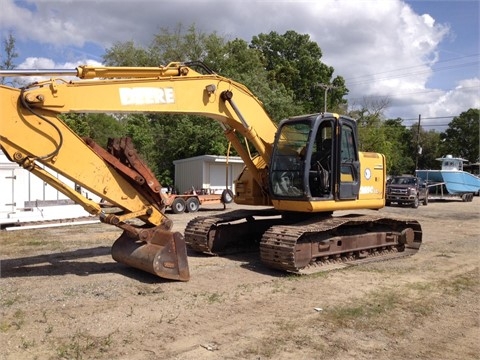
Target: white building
[(26, 198), (209, 172)]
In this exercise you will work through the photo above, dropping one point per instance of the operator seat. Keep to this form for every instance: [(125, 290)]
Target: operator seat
[(320, 166), (323, 156)]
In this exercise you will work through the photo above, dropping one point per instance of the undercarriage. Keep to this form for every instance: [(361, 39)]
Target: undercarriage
[(292, 244)]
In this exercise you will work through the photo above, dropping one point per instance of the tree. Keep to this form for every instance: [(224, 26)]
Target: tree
[(10, 54), (425, 147), (99, 127), (294, 60), (399, 156), (370, 126), (462, 136), (184, 45), (244, 64), (127, 54)]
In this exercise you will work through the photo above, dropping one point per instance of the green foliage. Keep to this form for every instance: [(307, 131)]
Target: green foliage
[(462, 136), (99, 127), (428, 151), (181, 136), (127, 54), (293, 60), (8, 55), (243, 64), (398, 150)]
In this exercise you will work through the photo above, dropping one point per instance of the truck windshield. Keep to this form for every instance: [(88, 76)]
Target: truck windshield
[(403, 181)]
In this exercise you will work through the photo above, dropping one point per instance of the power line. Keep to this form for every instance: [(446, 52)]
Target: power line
[(399, 95), (368, 78), (434, 117), (411, 74)]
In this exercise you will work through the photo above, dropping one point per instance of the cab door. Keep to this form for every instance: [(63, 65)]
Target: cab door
[(348, 176)]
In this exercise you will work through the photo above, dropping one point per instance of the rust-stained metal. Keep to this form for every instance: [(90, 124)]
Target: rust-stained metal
[(154, 250), (123, 149), (309, 245), (345, 239), (122, 155)]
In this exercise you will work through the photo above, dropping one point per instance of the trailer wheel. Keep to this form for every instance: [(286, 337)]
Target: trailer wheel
[(227, 196), (178, 206), (192, 204)]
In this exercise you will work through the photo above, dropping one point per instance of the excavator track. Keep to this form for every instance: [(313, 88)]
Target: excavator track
[(338, 242), (313, 245), (228, 232)]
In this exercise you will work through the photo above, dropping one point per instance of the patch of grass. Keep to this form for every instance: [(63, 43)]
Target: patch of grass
[(288, 336), (19, 319), (214, 298), (392, 311), (35, 242), (460, 283), (361, 312), (381, 307), (421, 286), (9, 301), (26, 344), (71, 292), (83, 345), (279, 287), (4, 326)]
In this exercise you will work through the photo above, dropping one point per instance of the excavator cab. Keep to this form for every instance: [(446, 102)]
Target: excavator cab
[(315, 158)]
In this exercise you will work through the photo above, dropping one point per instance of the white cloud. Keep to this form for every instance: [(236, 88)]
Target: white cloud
[(465, 95), (381, 47), (49, 64)]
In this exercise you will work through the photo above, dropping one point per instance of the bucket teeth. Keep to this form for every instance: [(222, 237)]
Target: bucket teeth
[(157, 251)]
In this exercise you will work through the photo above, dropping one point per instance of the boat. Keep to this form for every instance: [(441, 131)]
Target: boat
[(456, 180)]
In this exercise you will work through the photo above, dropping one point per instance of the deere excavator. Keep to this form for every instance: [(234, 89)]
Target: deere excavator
[(301, 170)]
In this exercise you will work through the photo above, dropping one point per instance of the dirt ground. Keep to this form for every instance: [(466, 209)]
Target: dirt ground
[(63, 297)]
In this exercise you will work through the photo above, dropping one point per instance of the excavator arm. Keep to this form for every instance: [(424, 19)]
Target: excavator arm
[(175, 88), (31, 133)]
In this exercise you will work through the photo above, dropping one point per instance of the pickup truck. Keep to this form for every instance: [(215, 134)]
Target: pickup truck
[(406, 190)]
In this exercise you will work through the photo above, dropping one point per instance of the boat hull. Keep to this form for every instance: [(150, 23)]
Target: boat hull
[(456, 182)]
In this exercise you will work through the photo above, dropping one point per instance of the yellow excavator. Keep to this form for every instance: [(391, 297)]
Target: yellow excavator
[(301, 171)]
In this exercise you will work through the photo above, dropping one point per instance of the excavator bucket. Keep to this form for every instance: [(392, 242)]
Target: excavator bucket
[(164, 253)]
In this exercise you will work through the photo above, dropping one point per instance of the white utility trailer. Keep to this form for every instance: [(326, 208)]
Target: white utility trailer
[(25, 198)]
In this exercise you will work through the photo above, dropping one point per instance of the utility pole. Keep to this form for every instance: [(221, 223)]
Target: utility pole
[(326, 87), (418, 142)]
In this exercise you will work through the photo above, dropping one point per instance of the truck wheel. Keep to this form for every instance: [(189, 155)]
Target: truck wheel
[(415, 203), (387, 203), (227, 196), (178, 206), (192, 204), (425, 201)]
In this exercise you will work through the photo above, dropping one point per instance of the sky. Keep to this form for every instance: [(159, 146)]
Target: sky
[(422, 56)]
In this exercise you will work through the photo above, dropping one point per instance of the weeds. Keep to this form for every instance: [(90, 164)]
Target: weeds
[(10, 301), (460, 283), (82, 344), (211, 298), (27, 343), (19, 319)]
